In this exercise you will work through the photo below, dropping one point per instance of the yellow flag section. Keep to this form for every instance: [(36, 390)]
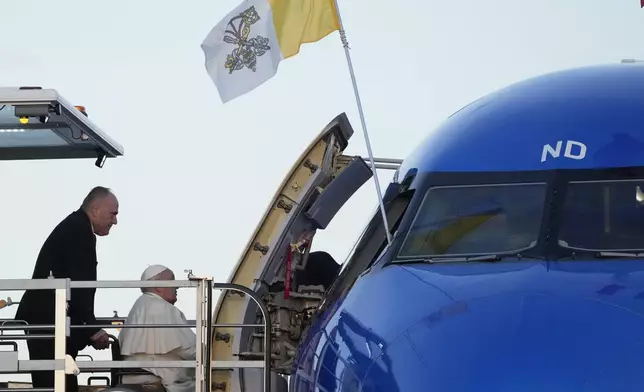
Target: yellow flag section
[(245, 48), (300, 22)]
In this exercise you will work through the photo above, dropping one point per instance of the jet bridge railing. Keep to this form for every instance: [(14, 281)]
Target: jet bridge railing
[(63, 364)]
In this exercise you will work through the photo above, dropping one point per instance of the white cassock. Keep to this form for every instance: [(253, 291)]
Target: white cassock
[(159, 344)]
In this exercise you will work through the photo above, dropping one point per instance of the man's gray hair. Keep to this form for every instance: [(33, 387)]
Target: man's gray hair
[(96, 193)]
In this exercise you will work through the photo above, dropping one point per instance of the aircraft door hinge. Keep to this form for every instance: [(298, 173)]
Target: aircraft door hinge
[(285, 206), (225, 337), (313, 167), (259, 247)]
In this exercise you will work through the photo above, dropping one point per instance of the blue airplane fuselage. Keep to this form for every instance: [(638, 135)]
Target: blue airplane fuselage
[(516, 264)]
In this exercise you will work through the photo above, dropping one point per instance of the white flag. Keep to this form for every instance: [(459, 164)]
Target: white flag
[(242, 51), (245, 48)]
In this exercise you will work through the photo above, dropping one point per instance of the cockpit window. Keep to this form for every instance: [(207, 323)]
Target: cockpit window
[(481, 219), (603, 215)]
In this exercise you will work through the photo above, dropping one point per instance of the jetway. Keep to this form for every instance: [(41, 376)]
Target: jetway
[(63, 364)]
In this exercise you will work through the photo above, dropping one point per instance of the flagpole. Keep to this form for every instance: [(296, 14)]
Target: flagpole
[(345, 44)]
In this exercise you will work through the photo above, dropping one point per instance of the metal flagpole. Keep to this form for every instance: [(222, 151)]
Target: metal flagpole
[(345, 44)]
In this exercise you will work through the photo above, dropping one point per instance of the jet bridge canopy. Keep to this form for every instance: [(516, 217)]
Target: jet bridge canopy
[(38, 123)]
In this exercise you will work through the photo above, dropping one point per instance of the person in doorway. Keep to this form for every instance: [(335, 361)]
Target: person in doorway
[(69, 252), (321, 269), (156, 306)]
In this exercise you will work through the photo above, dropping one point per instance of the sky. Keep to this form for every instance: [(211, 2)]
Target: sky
[(197, 175)]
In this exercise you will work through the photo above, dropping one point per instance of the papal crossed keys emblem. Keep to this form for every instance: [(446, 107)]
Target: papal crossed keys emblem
[(245, 55)]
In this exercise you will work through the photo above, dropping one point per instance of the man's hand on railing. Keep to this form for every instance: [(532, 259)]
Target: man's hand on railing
[(7, 302), (100, 340)]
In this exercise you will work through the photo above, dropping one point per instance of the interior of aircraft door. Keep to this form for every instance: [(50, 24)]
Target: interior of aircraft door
[(337, 193)]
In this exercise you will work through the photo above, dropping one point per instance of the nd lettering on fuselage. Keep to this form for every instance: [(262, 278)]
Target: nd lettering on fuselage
[(574, 150)]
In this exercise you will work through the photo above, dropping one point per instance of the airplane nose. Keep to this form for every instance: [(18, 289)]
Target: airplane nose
[(533, 342)]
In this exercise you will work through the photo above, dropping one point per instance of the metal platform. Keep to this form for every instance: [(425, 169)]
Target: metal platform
[(63, 364)]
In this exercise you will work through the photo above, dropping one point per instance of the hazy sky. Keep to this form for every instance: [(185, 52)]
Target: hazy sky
[(197, 175)]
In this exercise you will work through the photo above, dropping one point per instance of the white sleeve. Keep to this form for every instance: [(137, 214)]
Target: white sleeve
[(187, 353)]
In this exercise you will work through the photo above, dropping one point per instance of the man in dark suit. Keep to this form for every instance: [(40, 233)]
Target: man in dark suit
[(69, 252)]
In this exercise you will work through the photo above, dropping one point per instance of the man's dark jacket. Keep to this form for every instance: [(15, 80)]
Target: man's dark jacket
[(68, 252)]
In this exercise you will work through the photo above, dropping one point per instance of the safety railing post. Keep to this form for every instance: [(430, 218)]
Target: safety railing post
[(209, 332), (199, 373), (61, 331)]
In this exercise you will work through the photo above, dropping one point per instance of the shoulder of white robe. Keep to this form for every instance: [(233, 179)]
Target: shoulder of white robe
[(170, 313), (151, 309)]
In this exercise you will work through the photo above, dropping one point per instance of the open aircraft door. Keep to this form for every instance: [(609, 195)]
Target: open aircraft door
[(277, 255)]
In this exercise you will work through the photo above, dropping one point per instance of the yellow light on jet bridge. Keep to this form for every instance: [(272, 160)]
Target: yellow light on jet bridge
[(81, 109), (24, 120)]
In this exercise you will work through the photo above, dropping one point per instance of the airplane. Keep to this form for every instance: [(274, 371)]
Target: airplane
[(516, 261)]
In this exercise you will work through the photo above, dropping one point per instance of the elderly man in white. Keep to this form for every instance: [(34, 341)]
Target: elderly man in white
[(156, 306)]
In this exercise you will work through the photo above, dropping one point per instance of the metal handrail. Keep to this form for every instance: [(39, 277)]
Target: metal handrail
[(267, 328), (379, 163), (62, 328), (23, 326)]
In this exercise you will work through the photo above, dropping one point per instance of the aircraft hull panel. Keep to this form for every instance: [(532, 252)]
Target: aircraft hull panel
[(560, 313), (523, 325), (600, 107)]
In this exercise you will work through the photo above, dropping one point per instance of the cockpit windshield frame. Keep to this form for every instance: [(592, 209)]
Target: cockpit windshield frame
[(552, 226), (542, 187), (570, 185)]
